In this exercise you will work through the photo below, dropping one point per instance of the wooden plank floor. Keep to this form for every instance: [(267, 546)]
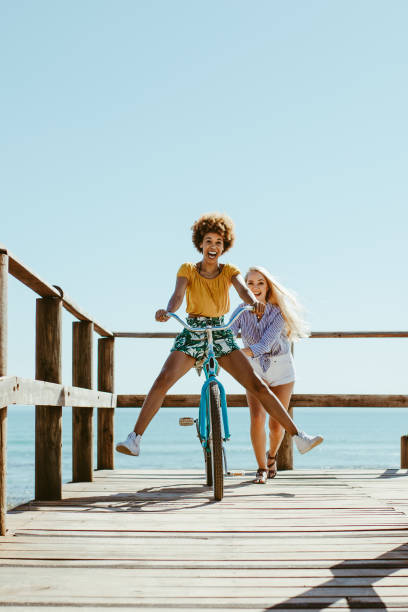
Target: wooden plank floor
[(308, 540)]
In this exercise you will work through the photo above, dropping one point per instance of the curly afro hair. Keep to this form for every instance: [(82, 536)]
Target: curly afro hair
[(218, 223)]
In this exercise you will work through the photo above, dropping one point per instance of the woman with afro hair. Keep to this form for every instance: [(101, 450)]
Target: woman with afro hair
[(206, 286)]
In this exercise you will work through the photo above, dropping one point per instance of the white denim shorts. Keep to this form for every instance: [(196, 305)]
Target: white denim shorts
[(280, 372)]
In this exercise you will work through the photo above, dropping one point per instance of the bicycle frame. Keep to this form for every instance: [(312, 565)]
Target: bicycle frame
[(210, 367)]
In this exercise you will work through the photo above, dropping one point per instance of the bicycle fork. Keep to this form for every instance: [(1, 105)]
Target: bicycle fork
[(203, 419)]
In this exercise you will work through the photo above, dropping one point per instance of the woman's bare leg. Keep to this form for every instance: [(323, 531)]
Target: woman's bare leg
[(276, 431), (238, 366), (176, 365), (257, 429)]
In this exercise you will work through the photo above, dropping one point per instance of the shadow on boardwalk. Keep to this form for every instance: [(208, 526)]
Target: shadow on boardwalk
[(351, 575), (312, 598), (152, 499), (393, 473)]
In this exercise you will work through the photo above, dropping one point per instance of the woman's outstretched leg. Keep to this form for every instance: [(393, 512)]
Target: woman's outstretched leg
[(176, 365), (236, 364)]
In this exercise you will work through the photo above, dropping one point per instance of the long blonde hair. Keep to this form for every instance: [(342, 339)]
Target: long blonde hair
[(290, 308)]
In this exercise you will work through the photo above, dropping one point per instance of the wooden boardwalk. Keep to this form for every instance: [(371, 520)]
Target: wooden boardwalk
[(309, 540)]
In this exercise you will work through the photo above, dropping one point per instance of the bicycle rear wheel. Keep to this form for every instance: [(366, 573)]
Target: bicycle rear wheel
[(216, 441)]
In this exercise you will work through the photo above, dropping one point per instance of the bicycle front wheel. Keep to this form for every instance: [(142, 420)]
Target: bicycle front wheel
[(216, 441)]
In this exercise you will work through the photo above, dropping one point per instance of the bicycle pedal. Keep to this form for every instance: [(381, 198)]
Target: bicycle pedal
[(186, 421)]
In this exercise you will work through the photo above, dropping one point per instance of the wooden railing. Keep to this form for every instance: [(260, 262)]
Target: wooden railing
[(285, 454), (304, 400), (49, 395), (328, 334)]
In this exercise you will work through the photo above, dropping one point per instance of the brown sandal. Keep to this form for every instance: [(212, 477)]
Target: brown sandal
[(271, 465), (261, 476)]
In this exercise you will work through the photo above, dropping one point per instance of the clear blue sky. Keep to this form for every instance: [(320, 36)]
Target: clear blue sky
[(123, 121)]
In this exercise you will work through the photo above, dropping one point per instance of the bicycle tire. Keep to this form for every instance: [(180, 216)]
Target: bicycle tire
[(216, 441)]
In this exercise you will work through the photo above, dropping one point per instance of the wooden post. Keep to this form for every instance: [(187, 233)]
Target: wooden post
[(82, 418), (404, 452), (3, 409), (105, 415), (284, 459), (48, 419)]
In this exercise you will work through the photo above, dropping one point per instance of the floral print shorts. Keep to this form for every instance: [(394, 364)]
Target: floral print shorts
[(196, 344)]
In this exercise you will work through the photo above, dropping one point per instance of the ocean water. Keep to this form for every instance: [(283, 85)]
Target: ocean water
[(354, 438)]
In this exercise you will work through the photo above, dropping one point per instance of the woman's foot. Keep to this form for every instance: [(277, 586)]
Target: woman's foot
[(305, 443), (131, 446), (261, 476), (271, 465)]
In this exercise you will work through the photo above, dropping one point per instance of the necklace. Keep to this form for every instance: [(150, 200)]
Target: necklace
[(206, 275)]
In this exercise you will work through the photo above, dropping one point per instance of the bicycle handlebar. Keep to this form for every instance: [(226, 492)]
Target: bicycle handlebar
[(215, 327)]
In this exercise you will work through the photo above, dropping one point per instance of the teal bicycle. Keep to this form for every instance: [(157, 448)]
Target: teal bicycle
[(212, 423)]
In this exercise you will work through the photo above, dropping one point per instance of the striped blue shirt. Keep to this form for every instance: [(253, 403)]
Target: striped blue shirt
[(266, 337)]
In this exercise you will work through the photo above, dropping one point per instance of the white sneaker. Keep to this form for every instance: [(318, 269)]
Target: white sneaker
[(305, 443), (131, 446)]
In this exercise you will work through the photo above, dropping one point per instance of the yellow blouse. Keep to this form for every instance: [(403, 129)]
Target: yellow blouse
[(207, 297)]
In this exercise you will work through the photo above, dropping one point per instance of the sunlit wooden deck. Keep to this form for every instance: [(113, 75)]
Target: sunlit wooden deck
[(155, 540)]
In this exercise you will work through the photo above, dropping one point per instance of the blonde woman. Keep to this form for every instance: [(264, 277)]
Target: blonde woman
[(267, 341)]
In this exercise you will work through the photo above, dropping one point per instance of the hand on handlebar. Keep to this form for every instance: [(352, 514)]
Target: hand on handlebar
[(161, 315), (259, 308)]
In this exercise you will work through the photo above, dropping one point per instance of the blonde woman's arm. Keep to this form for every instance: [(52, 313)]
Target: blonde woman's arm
[(270, 336), (246, 294)]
